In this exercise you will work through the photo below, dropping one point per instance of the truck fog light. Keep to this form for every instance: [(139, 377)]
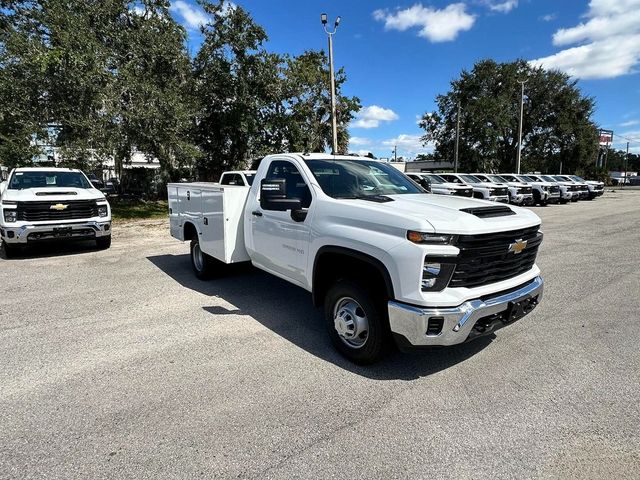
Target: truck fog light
[(10, 216), (102, 210), (436, 276)]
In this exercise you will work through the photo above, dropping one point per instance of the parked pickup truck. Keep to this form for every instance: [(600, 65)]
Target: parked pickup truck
[(40, 204), (481, 190), (384, 259), (238, 177), (439, 186), (519, 193)]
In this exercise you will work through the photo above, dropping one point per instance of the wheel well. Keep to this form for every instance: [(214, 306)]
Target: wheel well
[(189, 231), (335, 263)]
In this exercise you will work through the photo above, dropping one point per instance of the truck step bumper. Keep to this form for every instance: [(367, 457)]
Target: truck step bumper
[(415, 327)]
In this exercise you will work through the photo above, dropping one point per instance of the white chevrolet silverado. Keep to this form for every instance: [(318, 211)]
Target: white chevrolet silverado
[(386, 260), (40, 204)]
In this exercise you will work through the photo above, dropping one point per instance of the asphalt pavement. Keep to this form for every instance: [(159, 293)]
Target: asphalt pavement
[(120, 364)]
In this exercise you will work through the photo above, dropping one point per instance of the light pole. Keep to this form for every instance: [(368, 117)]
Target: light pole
[(334, 128), (521, 82), (455, 161)]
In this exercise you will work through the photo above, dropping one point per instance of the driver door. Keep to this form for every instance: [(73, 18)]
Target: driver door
[(281, 238)]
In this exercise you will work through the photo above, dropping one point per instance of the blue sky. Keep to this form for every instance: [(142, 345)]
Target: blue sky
[(399, 55)]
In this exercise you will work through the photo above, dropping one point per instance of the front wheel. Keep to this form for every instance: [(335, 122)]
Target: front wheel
[(201, 262), (103, 243), (357, 322), (9, 250)]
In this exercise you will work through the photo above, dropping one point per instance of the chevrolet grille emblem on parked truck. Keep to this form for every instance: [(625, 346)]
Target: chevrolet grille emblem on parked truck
[(518, 246), (58, 206)]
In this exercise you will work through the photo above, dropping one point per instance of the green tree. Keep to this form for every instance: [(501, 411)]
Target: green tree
[(557, 123)]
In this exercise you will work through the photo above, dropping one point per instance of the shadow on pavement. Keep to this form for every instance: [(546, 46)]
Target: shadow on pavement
[(51, 249), (287, 311)]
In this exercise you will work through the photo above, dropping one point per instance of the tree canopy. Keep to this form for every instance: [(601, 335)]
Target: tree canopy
[(102, 79), (557, 124)]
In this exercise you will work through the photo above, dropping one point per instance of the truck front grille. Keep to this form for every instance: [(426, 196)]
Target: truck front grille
[(524, 190), (490, 258), (53, 211), (466, 192), (499, 191), (554, 189)]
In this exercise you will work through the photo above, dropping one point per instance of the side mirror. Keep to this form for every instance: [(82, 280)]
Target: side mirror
[(273, 196)]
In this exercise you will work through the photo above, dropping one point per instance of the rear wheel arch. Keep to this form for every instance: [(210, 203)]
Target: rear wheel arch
[(189, 231), (334, 263)]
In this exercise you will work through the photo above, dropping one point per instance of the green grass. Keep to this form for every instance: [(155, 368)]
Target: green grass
[(138, 210)]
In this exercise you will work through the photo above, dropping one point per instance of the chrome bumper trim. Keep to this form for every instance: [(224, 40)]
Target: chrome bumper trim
[(21, 234), (411, 322)]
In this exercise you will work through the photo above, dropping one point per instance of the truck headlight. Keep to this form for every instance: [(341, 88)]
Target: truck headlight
[(435, 275), (10, 216), (430, 238), (102, 210)]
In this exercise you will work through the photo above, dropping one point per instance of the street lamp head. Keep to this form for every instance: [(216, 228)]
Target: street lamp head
[(337, 22), (323, 18)]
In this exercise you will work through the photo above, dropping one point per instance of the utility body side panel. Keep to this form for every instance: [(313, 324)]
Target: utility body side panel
[(215, 211)]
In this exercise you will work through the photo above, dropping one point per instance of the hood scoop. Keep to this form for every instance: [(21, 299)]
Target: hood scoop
[(44, 194), (488, 212)]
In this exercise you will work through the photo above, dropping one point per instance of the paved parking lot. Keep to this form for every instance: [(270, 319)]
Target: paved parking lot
[(120, 364)]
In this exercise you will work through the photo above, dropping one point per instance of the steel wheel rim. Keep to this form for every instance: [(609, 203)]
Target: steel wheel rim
[(350, 322), (198, 259)]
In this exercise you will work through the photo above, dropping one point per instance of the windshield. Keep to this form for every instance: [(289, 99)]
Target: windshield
[(435, 179), (360, 179), (558, 178), (497, 179), (547, 178), (51, 179), (470, 179), (484, 178), (249, 177), (577, 178)]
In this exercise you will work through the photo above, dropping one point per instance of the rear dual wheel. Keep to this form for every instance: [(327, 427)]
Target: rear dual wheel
[(201, 262)]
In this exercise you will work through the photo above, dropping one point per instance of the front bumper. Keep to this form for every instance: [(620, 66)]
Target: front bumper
[(522, 199), (499, 199), (85, 230), (410, 325)]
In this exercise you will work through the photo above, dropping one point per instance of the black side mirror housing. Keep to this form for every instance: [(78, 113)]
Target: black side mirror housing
[(273, 196)]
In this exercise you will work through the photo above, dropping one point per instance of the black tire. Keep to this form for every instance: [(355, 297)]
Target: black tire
[(563, 201), (349, 298), (201, 263), (10, 251), (103, 243)]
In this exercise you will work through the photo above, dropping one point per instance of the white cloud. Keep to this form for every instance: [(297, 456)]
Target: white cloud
[(608, 43), (370, 117), (193, 16), (408, 144), (436, 25), (359, 141), (630, 123), (502, 6), (549, 17)]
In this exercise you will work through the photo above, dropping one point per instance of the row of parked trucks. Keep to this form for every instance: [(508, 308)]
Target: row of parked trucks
[(529, 189)]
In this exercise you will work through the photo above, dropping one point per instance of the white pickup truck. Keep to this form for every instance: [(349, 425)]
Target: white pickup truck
[(386, 260), (41, 204)]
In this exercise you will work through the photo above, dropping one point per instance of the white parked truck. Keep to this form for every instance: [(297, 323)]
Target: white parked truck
[(519, 193), (440, 186), (385, 259), (237, 177), (40, 204), (481, 190)]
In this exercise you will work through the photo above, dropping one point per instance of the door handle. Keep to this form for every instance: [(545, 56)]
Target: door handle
[(256, 213)]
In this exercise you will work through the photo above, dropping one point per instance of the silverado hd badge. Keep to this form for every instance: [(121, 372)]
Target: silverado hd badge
[(518, 246), (58, 206)]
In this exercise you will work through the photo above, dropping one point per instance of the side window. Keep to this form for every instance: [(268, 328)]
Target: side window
[(296, 186), (226, 179)]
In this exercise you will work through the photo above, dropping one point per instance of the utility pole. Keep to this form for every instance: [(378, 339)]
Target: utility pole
[(395, 153), (455, 161), (626, 165), (334, 127), (521, 82)]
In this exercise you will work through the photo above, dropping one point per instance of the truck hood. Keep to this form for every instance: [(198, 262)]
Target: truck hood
[(52, 194), (445, 213)]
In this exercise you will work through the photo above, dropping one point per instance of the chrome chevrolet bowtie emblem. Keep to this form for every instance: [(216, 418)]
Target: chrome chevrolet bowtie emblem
[(518, 246), (58, 206)]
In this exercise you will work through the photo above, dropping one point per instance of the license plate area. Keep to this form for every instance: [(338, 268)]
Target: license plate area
[(519, 309), (62, 231)]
